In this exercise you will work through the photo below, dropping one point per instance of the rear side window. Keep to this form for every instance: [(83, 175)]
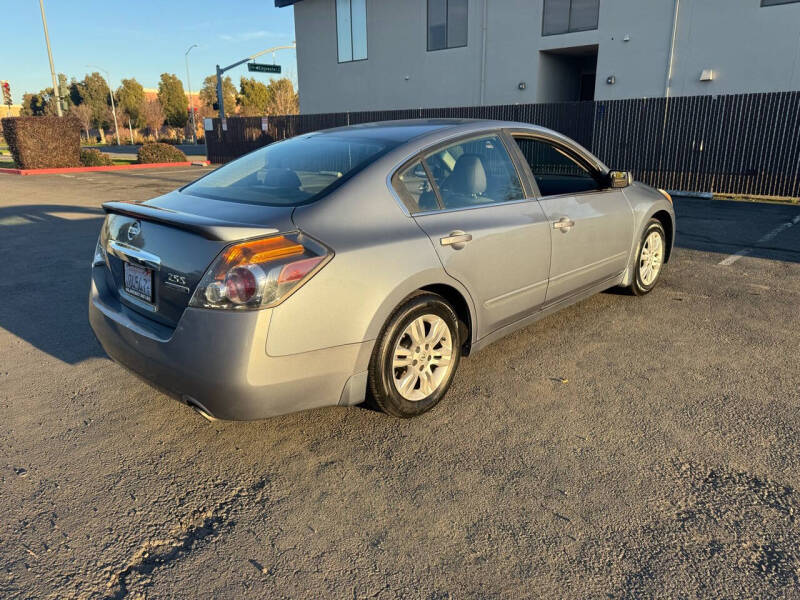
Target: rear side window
[(555, 171), (292, 172), (415, 189), (472, 172)]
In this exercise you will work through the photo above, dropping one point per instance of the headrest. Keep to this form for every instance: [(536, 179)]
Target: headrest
[(285, 179), (468, 176)]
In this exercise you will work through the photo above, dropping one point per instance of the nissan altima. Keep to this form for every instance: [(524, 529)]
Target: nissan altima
[(364, 262)]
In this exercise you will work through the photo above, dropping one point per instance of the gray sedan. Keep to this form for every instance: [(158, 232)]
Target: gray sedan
[(364, 262)]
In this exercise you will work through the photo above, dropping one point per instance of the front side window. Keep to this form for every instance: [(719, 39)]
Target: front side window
[(471, 173), (289, 173), (555, 171), (565, 16), (351, 29), (447, 24)]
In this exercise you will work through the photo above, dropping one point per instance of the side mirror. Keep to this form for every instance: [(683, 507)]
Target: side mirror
[(620, 179)]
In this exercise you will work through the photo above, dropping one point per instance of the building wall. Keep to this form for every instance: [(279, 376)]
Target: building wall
[(750, 49)]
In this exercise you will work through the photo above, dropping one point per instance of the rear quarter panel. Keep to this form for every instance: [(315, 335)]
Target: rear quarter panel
[(381, 256)]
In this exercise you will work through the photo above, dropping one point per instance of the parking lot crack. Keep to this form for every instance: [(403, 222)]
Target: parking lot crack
[(195, 529)]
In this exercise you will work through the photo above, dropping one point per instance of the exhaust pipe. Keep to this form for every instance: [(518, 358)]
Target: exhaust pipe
[(199, 409)]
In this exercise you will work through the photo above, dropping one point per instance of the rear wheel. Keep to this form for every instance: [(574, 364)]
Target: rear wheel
[(649, 258), (415, 356)]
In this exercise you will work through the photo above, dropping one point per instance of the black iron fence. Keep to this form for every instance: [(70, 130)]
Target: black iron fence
[(745, 144)]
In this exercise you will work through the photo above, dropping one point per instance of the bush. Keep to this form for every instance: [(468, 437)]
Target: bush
[(92, 157), (43, 142), (156, 152)]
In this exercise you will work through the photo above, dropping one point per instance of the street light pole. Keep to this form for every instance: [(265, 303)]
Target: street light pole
[(110, 93), (220, 71), (189, 86), (50, 56)]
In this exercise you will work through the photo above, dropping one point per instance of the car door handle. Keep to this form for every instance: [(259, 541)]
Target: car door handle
[(457, 239), (564, 224)]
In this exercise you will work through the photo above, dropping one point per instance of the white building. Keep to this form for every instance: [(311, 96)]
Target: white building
[(381, 54)]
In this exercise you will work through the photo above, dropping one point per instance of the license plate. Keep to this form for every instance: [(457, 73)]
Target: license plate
[(139, 281)]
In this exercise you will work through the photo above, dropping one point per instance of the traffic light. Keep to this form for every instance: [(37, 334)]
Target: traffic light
[(63, 94), (6, 93)]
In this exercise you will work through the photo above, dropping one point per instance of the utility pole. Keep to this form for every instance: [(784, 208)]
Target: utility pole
[(110, 93), (220, 99), (50, 56), (189, 86)]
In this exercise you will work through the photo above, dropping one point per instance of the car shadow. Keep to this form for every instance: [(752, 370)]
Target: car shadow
[(770, 231), (44, 277)]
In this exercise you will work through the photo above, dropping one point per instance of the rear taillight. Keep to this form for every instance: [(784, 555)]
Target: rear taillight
[(260, 273)]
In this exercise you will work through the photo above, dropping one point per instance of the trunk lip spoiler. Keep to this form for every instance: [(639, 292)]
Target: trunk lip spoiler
[(211, 229)]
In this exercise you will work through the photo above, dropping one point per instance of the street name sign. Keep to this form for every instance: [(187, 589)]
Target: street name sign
[(262, 68)]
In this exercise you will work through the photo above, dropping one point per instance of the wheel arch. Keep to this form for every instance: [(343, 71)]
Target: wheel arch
[(450, 289), (668, 223), (462, 308)]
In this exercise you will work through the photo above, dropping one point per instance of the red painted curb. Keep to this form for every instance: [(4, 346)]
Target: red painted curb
[(55, 171)]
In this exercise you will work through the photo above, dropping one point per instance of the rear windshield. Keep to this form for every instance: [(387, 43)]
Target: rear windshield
[(291, 172)]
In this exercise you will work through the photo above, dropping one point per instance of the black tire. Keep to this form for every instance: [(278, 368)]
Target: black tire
[(382, 389), (638, 287)]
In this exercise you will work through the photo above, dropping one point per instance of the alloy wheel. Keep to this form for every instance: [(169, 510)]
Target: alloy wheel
[(651, 258), (422, 357)]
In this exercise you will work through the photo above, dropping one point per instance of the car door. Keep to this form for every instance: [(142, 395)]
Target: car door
[(591, 223), (488, 233)]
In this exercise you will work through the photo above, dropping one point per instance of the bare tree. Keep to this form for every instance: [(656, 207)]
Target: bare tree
[(154, 117), (283, 99), (83, 112)]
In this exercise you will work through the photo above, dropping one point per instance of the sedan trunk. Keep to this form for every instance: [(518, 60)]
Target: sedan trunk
[(158, 251)]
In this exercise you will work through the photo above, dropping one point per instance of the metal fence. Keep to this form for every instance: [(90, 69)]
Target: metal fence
[(745, 144)]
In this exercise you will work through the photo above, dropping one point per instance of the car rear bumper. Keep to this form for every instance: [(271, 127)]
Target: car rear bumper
[(218, 360)]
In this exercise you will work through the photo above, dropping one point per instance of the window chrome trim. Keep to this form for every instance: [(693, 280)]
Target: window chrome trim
[(477, 206)]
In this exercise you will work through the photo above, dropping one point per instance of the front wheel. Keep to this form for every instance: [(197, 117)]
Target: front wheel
[(649, 258), (415, 357)]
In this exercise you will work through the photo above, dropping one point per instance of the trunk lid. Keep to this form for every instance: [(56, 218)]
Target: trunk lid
[(174, 239)]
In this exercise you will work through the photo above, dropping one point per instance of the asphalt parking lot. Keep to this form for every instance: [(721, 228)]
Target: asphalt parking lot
[(623, 448)]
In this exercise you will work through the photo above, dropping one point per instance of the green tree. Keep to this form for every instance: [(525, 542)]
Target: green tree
[(131, 101), (76, 91), (41, 103), (208, 93), (173, 100), (33, 105), (254, 97), (94, 92)]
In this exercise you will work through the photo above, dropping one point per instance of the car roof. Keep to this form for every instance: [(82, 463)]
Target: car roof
[(409, 135), (405, 130)]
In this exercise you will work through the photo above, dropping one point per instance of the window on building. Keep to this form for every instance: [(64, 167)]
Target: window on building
[(776, 2), (351, 29), (447, 24), (565, 16)]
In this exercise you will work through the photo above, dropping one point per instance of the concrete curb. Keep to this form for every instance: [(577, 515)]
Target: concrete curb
[(55, 171), (682, 194)]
